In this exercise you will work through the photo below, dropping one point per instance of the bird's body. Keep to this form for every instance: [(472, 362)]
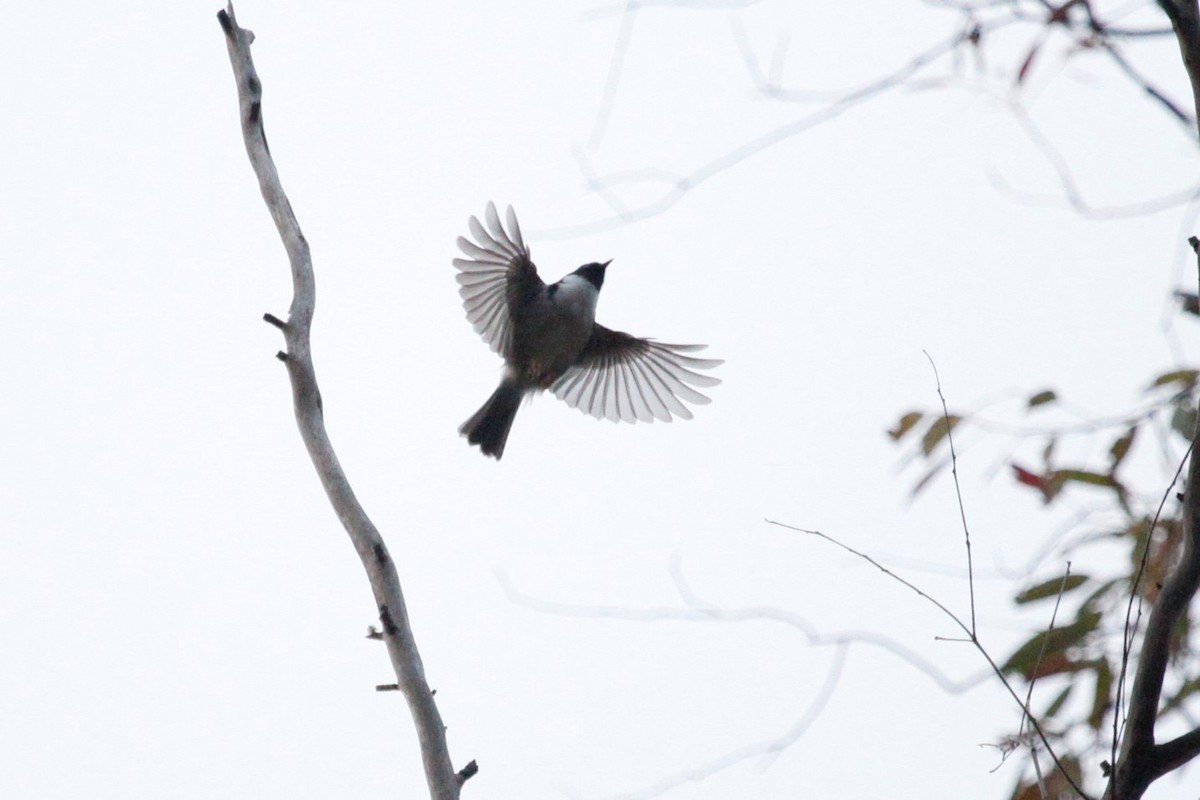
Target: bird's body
[(549, 339), (552, 327)]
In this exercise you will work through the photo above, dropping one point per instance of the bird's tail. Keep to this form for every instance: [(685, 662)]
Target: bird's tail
[(488, 427)]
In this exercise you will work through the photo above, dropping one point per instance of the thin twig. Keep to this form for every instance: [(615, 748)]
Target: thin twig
[(677, 186), (768, 748), (962, 511), (973, 640), (1130, 629), (616, 66), (1072, 194), (1033, 676), (1189, 122), (698, 611), (1141, 761), (1045, 643)]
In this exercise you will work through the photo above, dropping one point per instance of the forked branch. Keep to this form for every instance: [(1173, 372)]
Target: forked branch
[(1141, 760)]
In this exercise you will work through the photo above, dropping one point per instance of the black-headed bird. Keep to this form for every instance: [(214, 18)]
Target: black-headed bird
[(549, 339)]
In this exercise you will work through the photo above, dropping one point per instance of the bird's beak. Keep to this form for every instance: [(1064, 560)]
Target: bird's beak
[(606, 263)]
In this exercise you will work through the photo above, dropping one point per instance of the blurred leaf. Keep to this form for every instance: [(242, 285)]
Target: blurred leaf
[(905, 425), (1086, 476), (1186, 378), (938, 431), (1120, 447), (1048, 450), (1177, 647), (1183, 420), (1056, 481), (1059, 478), (1160, 547), (1052, 484), (926, 478), (1041, 398), (1056, 786), (1028, 791), (1180, 697), (1051, 588), (1049, 647), (1057, 704), (1140, 531), (1189, 302), (1101, 698), (1028, 477), (1055, 663), (1100, 595)]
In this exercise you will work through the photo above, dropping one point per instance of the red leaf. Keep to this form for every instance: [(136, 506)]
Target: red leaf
[(1029, 478)]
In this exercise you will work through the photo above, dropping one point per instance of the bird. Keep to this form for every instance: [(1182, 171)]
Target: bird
[(549, 339)]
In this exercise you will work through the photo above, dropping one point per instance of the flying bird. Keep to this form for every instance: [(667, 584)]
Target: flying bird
[(549, 339)]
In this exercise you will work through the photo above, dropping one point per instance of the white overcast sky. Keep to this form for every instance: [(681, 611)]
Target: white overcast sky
[(180, 614)]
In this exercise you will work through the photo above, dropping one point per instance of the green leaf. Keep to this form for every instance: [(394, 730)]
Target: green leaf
[(1057, 703), (1051, 588), (1054, 482), (926, 478), (1085, 476), (1102, 594), (1183, 420), (1184, 694), (1048, 451), (1043, 653), (1102, 697), (906, 424), (938, 431), (1186, 378), (1120, 447), (1041, 398)]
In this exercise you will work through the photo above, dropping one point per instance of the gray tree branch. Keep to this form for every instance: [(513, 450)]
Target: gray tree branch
[(444, 782), (1185, 20), (1141, 761)]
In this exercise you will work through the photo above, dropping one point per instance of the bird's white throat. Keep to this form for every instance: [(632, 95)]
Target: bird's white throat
[(577, 294)]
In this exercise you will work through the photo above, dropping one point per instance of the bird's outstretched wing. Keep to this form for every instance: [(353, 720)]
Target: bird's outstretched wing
[(496, 278), (622, 377)]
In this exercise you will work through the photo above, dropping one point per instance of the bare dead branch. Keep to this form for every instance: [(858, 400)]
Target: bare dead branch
[(675, 186), (769, 748), (1153, 92), (980, 19), (444, 783), (698, 611), (1072, 194), (615, 67), (630, 6)]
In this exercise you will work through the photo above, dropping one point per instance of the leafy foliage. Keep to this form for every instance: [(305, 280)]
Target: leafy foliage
[(1084, 652)]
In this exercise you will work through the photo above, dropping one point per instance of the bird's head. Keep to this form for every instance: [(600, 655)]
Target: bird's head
[(594, 273)]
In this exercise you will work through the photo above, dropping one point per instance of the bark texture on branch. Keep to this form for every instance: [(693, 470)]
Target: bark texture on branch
[(1185, 20), (1142, 761), (444, 782)]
